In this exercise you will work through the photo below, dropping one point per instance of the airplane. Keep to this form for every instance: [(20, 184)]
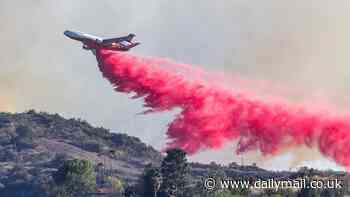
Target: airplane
[(91, 42)]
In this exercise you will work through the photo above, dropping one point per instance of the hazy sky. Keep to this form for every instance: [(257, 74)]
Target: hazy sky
[(297, 44)]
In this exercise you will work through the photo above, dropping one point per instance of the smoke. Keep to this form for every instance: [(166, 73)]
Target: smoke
[(212, 115)]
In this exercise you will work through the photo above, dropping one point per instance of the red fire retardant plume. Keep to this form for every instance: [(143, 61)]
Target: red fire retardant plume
[(212, 115)]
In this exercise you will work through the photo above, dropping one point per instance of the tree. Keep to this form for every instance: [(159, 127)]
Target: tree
[(151, 181), (175, 172), (74, 178), (332, 192), (308, 191), (130, 191), (25, 138)]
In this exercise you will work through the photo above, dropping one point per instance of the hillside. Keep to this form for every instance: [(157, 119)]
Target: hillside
[(34, 144)]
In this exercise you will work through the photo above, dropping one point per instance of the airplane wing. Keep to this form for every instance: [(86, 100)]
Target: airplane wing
[(120, 39), (111, 40)]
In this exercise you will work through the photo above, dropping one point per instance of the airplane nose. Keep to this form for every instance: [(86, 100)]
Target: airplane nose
[(70, 34), (66, 33)]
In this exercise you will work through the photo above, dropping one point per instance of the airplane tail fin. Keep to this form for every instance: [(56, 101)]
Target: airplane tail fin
[(130, 37)]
